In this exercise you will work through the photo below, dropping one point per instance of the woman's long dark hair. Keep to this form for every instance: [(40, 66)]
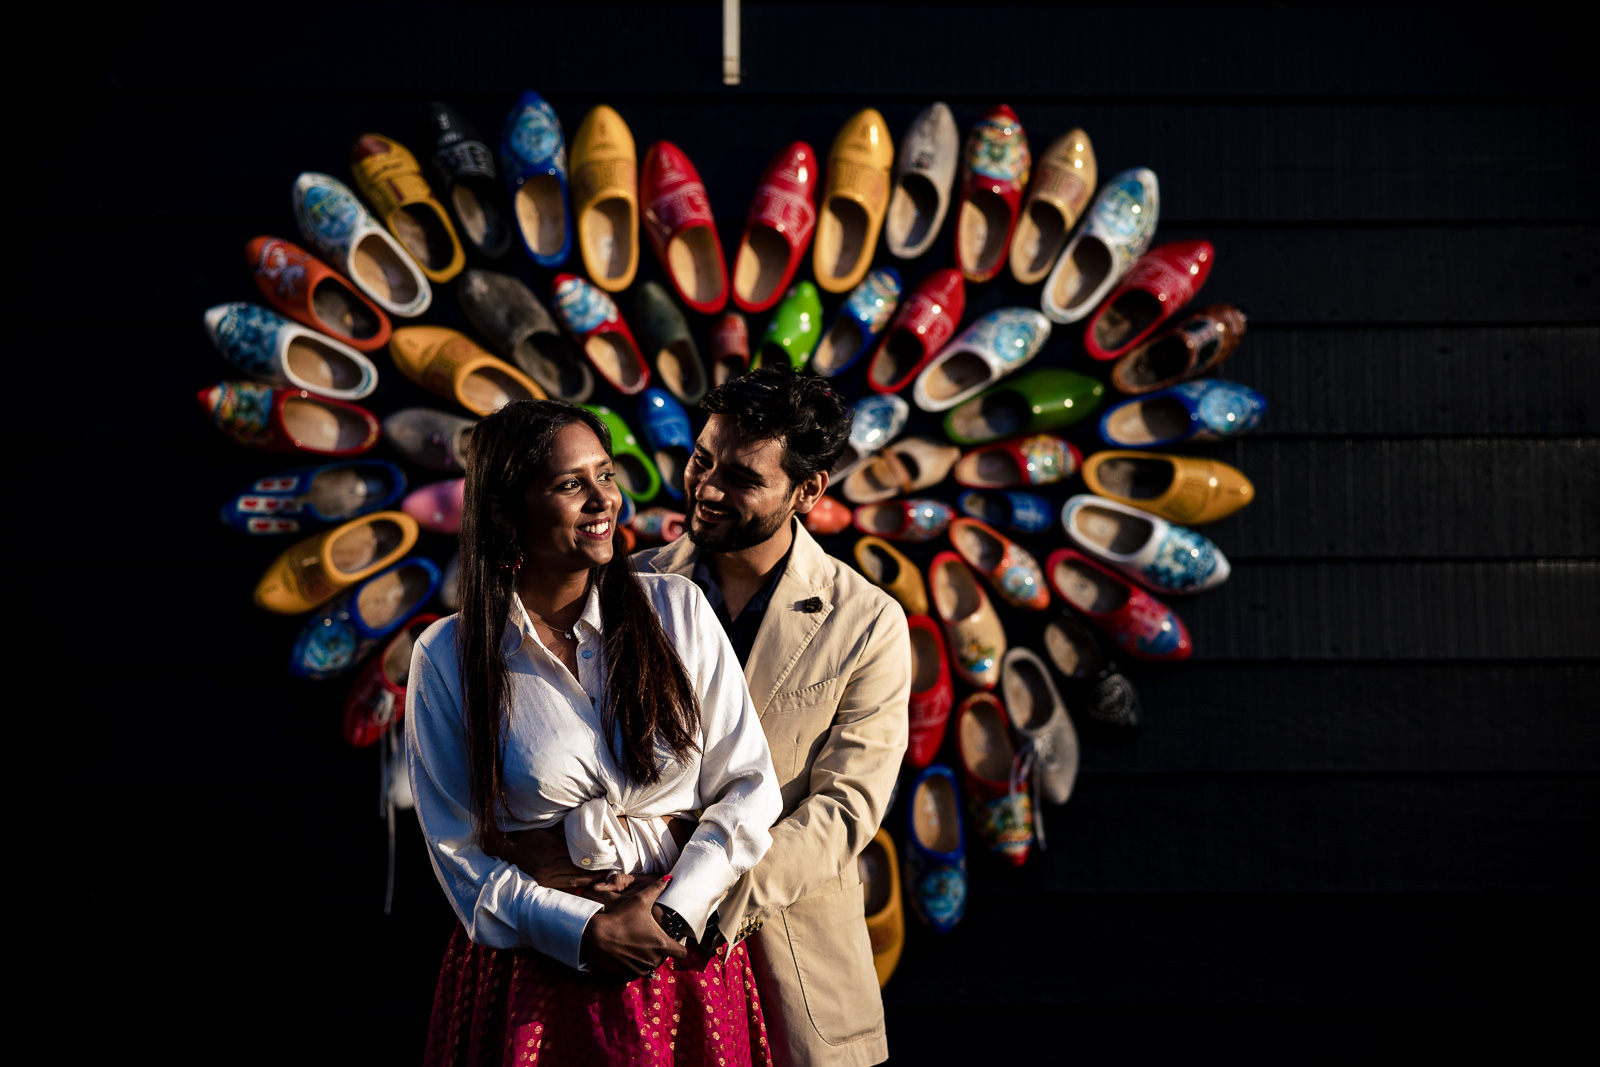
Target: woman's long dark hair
[(647, 692)]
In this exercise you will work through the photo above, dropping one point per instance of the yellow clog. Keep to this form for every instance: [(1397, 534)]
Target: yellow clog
[(449, 363), (387, 175), (886, 919), (1063, 182), (886, 567), (317, 569), (1184, 489), (854, 202), (605, 198)]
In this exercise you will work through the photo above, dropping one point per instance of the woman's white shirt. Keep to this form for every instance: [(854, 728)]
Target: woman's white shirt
[(558, 768)]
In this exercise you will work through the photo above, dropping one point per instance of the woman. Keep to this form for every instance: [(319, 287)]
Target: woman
[(556, 699)]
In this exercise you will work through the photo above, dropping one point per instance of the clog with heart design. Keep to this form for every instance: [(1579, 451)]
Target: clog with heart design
[(295, 501), (388, 176), (309, 291), (349, 239), (682, 231), (1162, 281), (994, 171)]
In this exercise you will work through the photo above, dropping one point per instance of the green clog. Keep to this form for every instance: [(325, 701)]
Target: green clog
[(665, 339), (1047, 398), (795, 329), (636, 473)]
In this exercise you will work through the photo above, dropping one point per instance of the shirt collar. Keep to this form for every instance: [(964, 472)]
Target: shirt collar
[(519, 625)]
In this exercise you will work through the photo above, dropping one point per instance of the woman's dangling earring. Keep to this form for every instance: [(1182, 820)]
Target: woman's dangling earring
[(512, 560)]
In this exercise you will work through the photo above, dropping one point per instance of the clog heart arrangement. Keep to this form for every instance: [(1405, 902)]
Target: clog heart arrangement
[(1032, 645)]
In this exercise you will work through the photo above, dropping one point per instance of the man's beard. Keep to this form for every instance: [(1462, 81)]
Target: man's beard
[(746, 531)]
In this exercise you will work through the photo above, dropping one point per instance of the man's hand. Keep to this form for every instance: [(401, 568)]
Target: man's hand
[(624, 940)]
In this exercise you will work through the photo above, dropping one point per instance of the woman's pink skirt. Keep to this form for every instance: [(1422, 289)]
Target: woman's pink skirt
[(520, 1007)]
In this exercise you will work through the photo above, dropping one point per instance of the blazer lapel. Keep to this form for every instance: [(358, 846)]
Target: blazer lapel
[(801, 603)]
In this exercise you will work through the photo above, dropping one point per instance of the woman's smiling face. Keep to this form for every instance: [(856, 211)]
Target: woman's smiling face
[(569, 510)]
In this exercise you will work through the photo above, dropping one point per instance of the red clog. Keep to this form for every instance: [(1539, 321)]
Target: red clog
[(730, 348), (827, 516), (1037, 459), (1137, 623), (926, 321), (378, 699), (1009, 568), (778, 229), (1158, 285), (309, 291), (931, 691), (289, 420), (910, 519), (994, 172), (594, 320), (677, 220)]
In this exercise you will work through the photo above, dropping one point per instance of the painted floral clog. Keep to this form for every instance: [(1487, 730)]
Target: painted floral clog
[(1206, 410), (1035, 401), (902, 467), (605, 198), (994, 170), (880, 893), (377, 701), (1193, 347), (827, 517), (1038, 459), (349, 239), (1040, 718), (1121, 223), (886, 567), (999, 804), (637, 476), (875, 422), (865, 313), (437, 507), (264, 344), (338, 638), (998, 344), (730, 347), (921, 327), (299, 500), (1062, 184), (936, 850), (666, 340), (932, 693), (1019, 512), (533, 158), (794, 330), (594, 320), (669, 437), (462, 167), (854, 201), (1147, 548), (1162, 281), (1136, 622), (924, 172), (450, 364), (309, 291), (507, 315), (682, 231), (1188, 489), (388, 176), (778, 228), (972, 630), (430, 438), (911, 520), (1009, 568), (318, 568), (288, 420)]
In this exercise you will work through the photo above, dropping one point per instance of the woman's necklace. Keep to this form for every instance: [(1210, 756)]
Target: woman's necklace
[(570, 633)]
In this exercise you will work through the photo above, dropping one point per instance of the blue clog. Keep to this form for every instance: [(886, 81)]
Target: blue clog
[(876, 420), (533, 156), (866, 312), (341, 635), (265, 345), (1017, 512), (307, 497), (936, 849), (1205, 410), (668, 435)]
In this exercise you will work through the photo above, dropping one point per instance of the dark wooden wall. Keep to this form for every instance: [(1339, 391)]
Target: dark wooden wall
[(1362, 819)]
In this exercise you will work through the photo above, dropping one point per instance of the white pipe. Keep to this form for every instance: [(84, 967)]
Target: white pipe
[(730, 42)]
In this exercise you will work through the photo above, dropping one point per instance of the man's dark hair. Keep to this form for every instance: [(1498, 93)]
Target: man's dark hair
[(804, 413)]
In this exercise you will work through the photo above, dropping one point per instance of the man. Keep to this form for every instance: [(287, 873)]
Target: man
[(827, 658)]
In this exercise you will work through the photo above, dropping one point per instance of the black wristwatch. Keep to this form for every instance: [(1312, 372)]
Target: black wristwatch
[(675, 925)]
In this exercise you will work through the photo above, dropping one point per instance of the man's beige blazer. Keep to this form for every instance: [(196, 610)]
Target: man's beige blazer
[(830, 675)]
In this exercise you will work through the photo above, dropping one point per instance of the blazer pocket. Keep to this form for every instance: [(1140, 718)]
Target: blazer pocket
[(808, 697), (833, 955)]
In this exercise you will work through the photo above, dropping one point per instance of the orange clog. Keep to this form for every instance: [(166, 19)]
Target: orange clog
[(1009, 568), (450, 364), (827, 516), (886, 918), (315, 570), (854, 202), (888, 568), (1191, 490), (308, 290), (387, 174), (605, 198)]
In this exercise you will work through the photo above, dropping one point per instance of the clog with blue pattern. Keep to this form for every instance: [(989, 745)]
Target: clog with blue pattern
[(865, 313), (995, 166), (1035, 401), (911, 519), (668, 435), (608, 344), (264, 344), (1121, 224), (1038, 459), (637, 476), (1136, 622), (1205, 410), (298, 500), (344, 233), (936, 850), (533, 159), (288, 420), (1008, 567), (309, 291), (338, 638), (1147, 548), (972, 630), (998, 344), (877, 421), (1010, 509)]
